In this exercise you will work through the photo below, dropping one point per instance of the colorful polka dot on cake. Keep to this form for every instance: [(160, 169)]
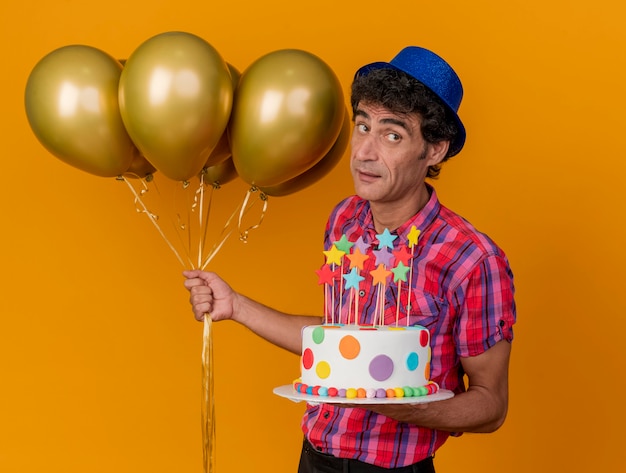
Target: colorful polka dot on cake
[(381, 367), (412, 361), (307, 359), (349, 347), (318, 335), (323, 369)]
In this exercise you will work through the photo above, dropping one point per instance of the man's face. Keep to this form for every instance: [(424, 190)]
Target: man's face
[(389, 158)]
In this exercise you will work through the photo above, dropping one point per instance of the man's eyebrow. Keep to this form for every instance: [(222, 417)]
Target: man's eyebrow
[(389, 121), (400, 123), (361, 113)]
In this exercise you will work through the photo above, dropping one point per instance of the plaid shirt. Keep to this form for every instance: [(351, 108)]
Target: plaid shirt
[(462, 291)]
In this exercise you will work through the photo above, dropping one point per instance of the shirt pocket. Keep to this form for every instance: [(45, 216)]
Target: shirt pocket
[(426, 310)]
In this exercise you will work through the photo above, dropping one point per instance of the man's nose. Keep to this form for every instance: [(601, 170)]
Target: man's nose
[(364, 148)]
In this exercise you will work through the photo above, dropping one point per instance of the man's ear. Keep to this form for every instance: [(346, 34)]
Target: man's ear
[(437, 152)]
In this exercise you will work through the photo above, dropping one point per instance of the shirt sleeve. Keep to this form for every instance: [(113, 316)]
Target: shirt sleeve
[(487, 307)]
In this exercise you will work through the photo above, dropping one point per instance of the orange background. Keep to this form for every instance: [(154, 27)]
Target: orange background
[(99, 353)]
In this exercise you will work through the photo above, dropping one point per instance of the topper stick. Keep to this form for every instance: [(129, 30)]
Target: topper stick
[(408, 304), (413, 237), (349, 307), (332, 301), (398, 302), (341, 293), (381, 304), (325, 302)]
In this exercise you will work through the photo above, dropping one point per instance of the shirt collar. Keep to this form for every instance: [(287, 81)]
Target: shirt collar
[(421, 220)]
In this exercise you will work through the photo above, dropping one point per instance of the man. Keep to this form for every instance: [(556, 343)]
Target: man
[(405, 126)]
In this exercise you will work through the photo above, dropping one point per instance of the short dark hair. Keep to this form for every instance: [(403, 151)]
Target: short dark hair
[(403, 94)]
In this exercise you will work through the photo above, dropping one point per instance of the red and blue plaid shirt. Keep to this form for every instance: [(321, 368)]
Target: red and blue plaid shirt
[(462, 291)]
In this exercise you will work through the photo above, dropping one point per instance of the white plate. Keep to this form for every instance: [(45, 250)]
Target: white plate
[(290, 393)]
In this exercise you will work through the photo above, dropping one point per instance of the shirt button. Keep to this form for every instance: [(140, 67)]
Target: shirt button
[(361, 293), (326, 415)]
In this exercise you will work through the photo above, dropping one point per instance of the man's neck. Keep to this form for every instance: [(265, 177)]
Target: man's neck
[(391, 215)]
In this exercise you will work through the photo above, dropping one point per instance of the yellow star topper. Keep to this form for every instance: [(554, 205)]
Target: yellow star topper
[(413, 236), (334, 255)]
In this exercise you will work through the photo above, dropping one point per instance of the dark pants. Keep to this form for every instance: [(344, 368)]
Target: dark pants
[(312, 461)]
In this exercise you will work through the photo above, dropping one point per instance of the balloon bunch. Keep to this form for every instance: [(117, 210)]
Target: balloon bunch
[(175, 108)]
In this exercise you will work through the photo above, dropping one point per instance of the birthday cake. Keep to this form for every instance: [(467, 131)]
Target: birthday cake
[(381, 359), (354, 361)]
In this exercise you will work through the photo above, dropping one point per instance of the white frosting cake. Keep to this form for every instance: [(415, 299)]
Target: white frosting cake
[(365, 361)]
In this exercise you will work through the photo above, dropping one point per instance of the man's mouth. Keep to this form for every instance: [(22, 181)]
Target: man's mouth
[(367, 175)]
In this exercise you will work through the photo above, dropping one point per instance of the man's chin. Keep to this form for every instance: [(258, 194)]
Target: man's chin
[(366, 194)]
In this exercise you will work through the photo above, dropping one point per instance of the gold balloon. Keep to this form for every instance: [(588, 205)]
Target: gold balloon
[(139, 167), (175, 98), (322, 168), (72, 107), (222, 150), (287, 114), (219, 174), (235, 75)]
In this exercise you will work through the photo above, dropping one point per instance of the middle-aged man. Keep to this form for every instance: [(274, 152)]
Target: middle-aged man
[(405, 126)]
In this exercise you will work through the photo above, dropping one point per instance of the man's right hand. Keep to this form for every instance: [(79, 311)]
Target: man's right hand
[(209, 294)]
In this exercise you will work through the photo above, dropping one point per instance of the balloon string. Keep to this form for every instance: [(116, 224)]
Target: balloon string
[(208, 404), (208, 398), (242, 210), (184, 222), (243, 235), (203, 219), (218, 245), (200, 215), (177, 222), (152, 218)]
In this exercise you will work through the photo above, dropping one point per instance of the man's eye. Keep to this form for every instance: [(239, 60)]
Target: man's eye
[(361, 127), (393, 137)]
